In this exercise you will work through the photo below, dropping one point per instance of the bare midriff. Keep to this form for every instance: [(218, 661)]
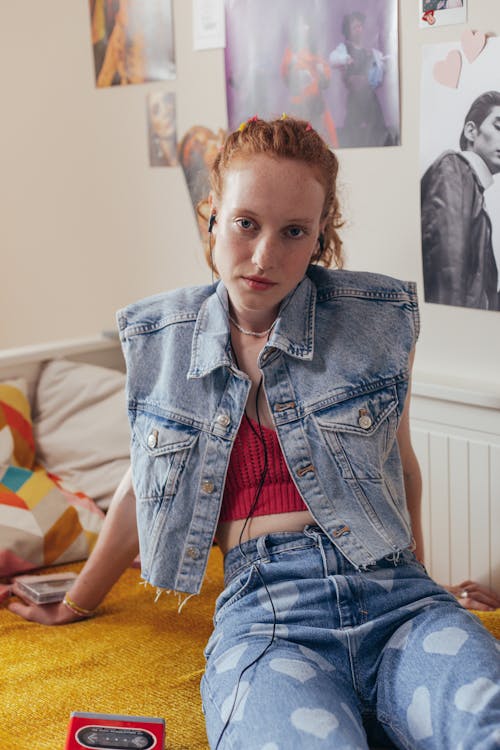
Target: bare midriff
[(229, 533)]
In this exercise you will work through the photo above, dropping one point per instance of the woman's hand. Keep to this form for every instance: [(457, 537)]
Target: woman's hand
[(45, 614), (115, 549), (4, 592), (472, 595)]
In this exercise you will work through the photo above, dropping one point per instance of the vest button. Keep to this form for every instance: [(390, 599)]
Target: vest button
[(207, 486), (223, 420), (193, 553), (365, 421), (153, 439), (305, 470)]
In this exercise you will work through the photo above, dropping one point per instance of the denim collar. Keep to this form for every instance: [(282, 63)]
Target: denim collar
[(293, 332)]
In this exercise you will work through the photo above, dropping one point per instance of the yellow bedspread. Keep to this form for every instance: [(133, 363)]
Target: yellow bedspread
[(137, 657)]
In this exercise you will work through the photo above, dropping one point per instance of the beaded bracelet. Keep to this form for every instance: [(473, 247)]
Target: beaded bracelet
[(75, 608)]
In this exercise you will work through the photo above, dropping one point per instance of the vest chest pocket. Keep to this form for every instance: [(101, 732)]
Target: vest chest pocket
[(360, 432), (160, 449)]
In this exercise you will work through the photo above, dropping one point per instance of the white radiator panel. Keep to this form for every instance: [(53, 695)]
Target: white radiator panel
[(460, 465)]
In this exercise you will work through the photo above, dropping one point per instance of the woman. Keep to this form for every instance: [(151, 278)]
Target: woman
[(270, 410), (362, 73)]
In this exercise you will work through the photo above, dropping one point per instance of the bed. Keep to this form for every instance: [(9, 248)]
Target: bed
[(139, 656)]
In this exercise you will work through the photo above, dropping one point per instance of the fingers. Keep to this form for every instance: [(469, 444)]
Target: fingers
[(45, 614), (24, 611), (471, 602), (473, 595), (4, 592)]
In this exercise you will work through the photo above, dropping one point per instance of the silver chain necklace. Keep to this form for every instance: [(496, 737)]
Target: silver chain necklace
[(258, 334)]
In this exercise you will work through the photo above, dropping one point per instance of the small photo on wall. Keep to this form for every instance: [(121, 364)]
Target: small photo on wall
[(460, 176), (132, 41), (331, 62), (442, 12), (162, 129)]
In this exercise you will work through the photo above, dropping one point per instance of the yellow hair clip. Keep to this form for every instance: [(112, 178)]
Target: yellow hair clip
[(283, 116), (245, 123)]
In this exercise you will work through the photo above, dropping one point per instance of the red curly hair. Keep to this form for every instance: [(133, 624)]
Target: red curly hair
[(285, 138)]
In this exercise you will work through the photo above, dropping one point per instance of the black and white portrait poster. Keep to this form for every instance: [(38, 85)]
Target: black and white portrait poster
[(460, 168), (331, 62), (132, 40)]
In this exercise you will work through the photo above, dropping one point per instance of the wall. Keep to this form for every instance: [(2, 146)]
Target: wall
[(88, 226)]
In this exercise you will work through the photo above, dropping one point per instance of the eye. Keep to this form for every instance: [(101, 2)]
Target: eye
[(294, 232), (245, 224)]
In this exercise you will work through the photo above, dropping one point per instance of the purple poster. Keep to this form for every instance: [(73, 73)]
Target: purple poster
[(331, 62)]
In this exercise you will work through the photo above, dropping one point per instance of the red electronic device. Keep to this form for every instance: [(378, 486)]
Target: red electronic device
[(103, 731)]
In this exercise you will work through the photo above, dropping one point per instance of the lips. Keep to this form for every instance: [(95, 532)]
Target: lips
[(259, 282)]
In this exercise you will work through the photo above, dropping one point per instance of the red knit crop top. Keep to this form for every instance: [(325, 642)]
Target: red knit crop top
[(278, 494)]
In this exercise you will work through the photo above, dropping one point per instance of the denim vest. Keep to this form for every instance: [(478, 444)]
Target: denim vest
[(335, 375)]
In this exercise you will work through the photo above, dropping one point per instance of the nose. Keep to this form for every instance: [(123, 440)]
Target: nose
[(265, 253)]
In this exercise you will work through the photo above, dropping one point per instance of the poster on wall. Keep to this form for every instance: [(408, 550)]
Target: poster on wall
[(197, 150), (132, 41), (460, 168), (442, 12), (331, 62), (162, 136)]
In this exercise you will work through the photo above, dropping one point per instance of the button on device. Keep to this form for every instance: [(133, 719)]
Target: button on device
[(364, 421), (153, 439), (223, 420), (207, 486), (193, 553)]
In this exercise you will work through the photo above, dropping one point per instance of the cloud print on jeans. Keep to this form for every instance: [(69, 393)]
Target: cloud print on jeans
[(299, 670), (419, 714), (321, 662), (447, 641), (400, 638), (475, 696), (230, 658), (315, 721), (235, 708), (284, 595)]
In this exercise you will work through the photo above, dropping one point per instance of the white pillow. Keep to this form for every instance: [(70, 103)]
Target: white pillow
[(81, 428)]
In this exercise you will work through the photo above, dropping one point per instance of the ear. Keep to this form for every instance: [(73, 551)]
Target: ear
[(212, 205), (319, 246), (470, 132), (212, 202)]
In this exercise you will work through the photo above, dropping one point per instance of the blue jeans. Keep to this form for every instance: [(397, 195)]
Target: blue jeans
[(309, 652)]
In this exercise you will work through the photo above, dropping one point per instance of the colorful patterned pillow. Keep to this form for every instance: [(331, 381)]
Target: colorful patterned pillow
[(41, 523), (17, 445)]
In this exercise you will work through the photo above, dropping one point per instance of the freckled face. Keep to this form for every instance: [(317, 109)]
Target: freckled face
[(485, 140), (267, 228)]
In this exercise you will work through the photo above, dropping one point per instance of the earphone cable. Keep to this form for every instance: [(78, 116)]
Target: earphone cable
[(255, 567)]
